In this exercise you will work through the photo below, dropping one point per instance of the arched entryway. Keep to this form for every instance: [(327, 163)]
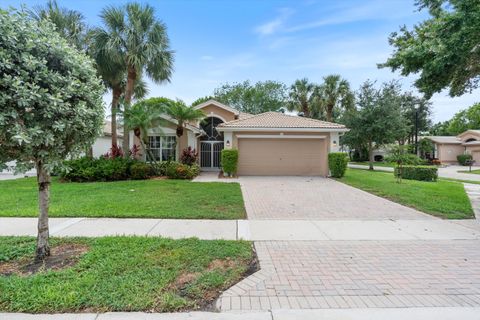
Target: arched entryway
[(211, 144)]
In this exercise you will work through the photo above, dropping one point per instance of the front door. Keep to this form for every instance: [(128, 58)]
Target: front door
[(210, 152)]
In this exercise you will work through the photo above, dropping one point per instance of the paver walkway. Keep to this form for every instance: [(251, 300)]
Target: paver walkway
[(360, 274), (388, 272)]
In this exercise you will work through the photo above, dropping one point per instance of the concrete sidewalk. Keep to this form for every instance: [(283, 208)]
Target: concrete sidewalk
[(275, 314), (256, 230)]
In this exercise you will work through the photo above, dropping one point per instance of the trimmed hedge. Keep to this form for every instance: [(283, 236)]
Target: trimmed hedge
[(229, 161), (102, 169), (464, 158), (176, 170), (141, 171), (421, 173), (337, 163)]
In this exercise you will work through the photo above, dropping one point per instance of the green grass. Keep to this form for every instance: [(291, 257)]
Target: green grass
[(473, 171), (177, 199), (125, 274), (445, 199)]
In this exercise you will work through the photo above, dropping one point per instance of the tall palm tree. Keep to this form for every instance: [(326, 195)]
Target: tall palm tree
[(133, 37), (69, 23), (302, 94), (114, 76), (335, 93), (183, 114)]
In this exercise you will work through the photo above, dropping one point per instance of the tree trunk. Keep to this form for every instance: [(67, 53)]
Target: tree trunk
[(131, 78), (116, 93), (43, 180), (370, 155), (89, 152), (329, 113), (306, 110)]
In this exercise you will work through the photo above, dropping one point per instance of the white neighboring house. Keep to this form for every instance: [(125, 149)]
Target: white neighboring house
[(103, 143)]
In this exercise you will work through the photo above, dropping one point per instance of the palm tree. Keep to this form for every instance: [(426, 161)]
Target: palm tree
[(114, 77), (183, 114), (133, 37), (140, 118), (69, 23), (302, 94), (335, 93)]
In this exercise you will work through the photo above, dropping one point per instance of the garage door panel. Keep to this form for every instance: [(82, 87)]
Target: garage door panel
[(281, 157)]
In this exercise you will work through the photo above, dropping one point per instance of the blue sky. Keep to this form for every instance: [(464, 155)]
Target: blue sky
[(219, 41)]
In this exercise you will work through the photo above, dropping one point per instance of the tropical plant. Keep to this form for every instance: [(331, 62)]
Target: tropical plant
[(50, 104), (335, 96), (70, 24), (465, 120), (377, 120), (201, 100), (133, 36), (255, 98), (303, 97), (114, 77), (189, 156), (443, 50), (182, 114), (140, 118)]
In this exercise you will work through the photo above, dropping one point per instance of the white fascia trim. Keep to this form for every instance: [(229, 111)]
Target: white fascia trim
[(279, 136), (282, 129), (218, 104)]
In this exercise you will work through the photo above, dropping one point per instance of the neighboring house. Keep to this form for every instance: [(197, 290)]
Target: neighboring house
[(103, 144), (447, 148), (269, 143)]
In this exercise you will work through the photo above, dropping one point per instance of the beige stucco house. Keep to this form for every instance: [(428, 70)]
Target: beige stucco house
[(270, 143), (447, 148)]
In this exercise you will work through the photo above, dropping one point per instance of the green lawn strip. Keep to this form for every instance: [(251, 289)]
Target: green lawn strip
[(176, 199), (125, 274), (445, 199), (472, 172)]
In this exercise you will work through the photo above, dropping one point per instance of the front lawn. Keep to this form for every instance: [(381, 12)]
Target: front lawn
[(177, 199), (477, 171), (122, 274), (445, 199)]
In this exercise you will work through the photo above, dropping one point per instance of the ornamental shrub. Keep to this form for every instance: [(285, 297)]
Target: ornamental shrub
[(229, 161), (463, 159), (102, 169), (140, 171), (176, 170), (189, 156), (337, 163), (421, 173)]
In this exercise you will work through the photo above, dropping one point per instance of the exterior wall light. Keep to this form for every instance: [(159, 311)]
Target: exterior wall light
[(334, 143), (227, 143)]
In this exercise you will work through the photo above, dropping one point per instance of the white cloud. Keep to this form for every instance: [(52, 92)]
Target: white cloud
[(274, 25), (349, 12)]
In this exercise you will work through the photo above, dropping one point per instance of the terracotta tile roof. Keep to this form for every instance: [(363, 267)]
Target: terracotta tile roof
[(444, 139), (279, 120)]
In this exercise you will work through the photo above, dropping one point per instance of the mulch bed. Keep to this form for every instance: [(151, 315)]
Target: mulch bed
[(61, 257)]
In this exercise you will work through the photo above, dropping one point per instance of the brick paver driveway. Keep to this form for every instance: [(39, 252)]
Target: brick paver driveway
[(349, 274), (291, 198)]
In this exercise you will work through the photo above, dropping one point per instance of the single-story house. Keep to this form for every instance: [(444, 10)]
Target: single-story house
[(270, 143), (103, 144), (447, 148)]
